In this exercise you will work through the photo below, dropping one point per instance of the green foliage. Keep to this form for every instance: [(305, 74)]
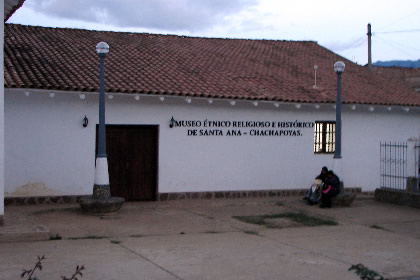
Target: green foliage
[(88, 237), (376, 227), (308, 220), (251, 232), (365, 273), (55, 237), (256, 220)]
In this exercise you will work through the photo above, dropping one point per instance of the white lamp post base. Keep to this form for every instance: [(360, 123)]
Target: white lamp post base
[(101, 171), (101, 200), (101, 189)]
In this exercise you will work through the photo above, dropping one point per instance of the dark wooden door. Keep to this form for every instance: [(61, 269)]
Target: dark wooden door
[(132, 161)]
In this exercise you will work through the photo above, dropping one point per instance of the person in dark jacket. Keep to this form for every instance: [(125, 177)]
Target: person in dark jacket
[(330, 189), (314, 192), (323, 174)]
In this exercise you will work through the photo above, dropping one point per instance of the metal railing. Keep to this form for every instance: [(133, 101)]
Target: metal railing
[(393, 165)]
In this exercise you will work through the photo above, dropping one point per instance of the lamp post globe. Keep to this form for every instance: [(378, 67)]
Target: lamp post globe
[(102, 48), (339, 69)]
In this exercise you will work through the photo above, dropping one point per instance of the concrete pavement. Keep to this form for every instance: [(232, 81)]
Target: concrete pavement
[(199, 239)]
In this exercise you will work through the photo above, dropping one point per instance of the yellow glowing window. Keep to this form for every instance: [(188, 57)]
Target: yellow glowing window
[(324, 137)]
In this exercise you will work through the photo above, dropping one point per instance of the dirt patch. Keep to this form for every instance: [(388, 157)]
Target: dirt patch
[(286, 219), (282, 223), (33, 189)]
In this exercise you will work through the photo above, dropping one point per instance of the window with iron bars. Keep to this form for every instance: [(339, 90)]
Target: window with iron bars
[(324, 137)]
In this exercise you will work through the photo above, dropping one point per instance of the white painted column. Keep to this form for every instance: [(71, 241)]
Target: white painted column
[(1, 113)]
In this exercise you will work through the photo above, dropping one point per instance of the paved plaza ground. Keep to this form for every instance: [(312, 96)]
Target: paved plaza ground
[(200, 239)]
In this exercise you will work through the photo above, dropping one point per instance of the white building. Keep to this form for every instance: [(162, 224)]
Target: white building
[(190, 116), (7, 8)]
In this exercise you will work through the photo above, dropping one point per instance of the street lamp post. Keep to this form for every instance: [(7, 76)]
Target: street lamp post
[(339, 69), (101, 200), (101, 189)]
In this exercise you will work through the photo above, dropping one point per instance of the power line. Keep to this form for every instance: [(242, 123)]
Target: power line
[(400, 19), (398, 31), (397, 46), (397, 43), (358, 42)]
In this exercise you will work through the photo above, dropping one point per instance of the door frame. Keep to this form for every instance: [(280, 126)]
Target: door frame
[(156, 127)]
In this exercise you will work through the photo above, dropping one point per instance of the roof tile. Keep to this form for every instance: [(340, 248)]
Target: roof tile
[(65, 59)]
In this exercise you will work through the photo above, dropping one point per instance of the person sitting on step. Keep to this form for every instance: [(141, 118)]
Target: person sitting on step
[(330, 189), (314, 193)]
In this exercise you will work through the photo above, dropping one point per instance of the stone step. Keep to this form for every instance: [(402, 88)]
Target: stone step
[(23, 233)]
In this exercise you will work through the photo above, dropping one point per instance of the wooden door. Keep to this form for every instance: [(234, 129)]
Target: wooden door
[(132, 161)]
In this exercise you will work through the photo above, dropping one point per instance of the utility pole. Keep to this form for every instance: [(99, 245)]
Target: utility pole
[(369, 46)]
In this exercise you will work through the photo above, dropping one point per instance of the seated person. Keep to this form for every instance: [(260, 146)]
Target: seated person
[(323, 174), (313, 194), (330, 189)]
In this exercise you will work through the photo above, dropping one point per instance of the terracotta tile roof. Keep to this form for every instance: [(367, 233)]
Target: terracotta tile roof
[(65, 59), (10, 7), (411, 76)]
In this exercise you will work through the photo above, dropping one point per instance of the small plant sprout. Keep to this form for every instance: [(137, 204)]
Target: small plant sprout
[(38, 265), (78, 272), (30, 272)]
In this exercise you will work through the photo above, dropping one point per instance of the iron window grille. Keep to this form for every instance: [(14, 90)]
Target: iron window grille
[(324, 137)]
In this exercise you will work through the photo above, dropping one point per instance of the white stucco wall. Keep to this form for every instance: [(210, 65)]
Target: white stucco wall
[(49, 152)]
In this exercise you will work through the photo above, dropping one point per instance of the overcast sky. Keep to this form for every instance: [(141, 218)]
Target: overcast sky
[(337, 25)]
